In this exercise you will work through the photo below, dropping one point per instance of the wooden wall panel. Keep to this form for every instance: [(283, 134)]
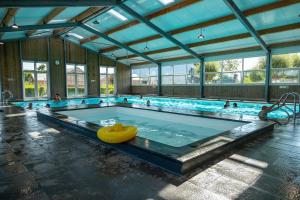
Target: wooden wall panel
[(93, 74), (75, 54), (144, 90), (35, 49), (57, 72), (235, 92), (181, 91), (277, 91), (12, 71), (123, 79)]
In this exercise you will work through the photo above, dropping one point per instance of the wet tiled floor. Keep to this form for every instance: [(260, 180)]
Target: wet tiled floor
[(40, 161)]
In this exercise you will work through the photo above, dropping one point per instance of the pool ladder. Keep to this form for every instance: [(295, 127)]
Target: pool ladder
[(296, 103)]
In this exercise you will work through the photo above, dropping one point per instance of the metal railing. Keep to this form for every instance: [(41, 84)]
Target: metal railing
[(296, 103)]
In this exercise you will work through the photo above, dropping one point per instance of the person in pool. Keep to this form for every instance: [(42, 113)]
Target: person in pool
[(227, 104), (235, 105), (83, 101), (57, 98), (101, 101), (29, 106), (141, 96), (125, 100), (148, 102), (263, 114), (47, 105)]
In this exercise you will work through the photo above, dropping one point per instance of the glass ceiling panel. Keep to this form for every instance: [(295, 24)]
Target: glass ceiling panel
[(30, 16), (2, 13), (242, 43), (133, 33), (68, 13), (277, 17), (145, 7), (13, 35), (192, 14), (245, 5), (108, 21), (211, 32), (282, 36)]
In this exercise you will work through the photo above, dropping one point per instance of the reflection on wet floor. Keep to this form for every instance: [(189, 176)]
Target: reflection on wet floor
[(39, 161)]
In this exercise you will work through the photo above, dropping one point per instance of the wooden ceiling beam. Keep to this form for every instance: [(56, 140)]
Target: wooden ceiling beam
[(223, 39), (220, 20), (10, 14), (164, 11), (48, 18), (80, 18), (226, 52)]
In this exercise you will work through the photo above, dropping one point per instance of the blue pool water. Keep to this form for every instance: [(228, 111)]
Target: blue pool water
[(189, 104), (166, 128), (63, 103)]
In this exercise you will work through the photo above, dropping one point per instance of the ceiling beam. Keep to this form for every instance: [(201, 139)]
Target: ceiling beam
[(164, 11), (241, 17), (47, 19), (220, 40), (38, 27), (10, 14), (159, 30), (82, 17), (56, 3), (96, 32), (249, 12), (226, 52)]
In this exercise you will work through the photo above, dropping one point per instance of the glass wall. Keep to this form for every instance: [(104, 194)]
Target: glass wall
[(285, 69), (107, 80), (144, 76), (35, 79), (182, 74), (236, 71), (76, 80)]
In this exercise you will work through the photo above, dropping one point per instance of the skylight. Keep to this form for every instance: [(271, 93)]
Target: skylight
[(76, 35), (117, 15), (166, 2)]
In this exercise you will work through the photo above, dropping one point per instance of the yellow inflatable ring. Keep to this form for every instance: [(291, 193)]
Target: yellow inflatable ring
[(117, 133)]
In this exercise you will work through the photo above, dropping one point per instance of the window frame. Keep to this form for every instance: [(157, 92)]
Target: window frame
[(241, 72), (35, 73), (106, 80), (76, 83)]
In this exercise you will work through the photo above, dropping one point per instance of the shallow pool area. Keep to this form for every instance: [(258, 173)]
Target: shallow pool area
[(170, 129)]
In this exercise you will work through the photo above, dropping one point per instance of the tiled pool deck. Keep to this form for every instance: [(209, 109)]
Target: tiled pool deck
[(38, 161)]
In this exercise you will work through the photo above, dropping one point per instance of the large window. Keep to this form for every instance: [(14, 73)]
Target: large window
[(181, 74), (107, 80), (285, 69), (76, 80), (144, 76), (236, 71), (35, 79)]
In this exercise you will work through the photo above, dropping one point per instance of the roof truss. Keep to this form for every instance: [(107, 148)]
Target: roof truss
[(10, 14), (56, 3), (164, 11), (160, 31), (47, 19), (96, 32), (216, 21), (241, 17)]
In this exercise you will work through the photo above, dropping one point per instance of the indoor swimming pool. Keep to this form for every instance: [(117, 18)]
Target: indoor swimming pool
[(169, 129), (214, 106)]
